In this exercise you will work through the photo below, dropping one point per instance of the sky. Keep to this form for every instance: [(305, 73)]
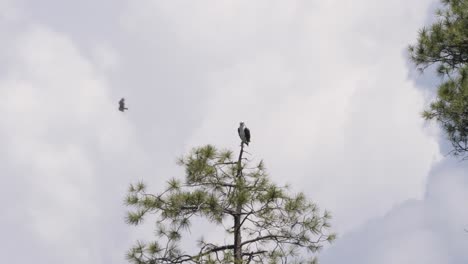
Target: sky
[(325, 87)]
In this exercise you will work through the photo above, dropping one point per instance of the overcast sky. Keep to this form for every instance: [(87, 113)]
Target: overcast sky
[(325, 87)]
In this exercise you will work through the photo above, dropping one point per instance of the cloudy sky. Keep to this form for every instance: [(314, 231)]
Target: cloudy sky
[(325, 87)]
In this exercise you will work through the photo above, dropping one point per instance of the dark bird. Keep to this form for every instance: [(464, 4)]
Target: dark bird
[(244, 133), (122, 105)]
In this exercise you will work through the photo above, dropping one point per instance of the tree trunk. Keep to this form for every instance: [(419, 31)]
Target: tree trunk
[(237, 239), (237, 216)]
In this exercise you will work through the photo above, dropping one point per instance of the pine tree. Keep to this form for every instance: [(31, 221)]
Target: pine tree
[(265, 222), (445, 44)]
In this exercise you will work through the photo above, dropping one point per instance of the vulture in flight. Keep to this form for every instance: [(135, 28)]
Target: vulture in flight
[(122, 105)]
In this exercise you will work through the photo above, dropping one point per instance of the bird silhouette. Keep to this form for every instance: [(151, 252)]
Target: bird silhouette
[(122, 107)]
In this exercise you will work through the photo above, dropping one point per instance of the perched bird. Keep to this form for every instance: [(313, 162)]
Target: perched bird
[(244, 133), (122, 105)]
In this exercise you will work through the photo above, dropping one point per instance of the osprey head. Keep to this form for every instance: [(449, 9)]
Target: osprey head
[(242, 124)]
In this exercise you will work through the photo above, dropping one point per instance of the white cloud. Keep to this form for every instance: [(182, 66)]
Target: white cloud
[(106, 57), (430, 230), (9, 10), (59, 125)]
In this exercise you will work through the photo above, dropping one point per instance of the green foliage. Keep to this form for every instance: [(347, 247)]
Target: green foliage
[(451, 110), (445, 44), (275, 225)]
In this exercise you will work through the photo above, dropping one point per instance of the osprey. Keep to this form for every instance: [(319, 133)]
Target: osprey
[(244, 133), (122, 105)]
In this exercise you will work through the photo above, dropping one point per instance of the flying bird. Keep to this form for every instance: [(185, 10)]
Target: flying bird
[(122, 105), (244, 133)]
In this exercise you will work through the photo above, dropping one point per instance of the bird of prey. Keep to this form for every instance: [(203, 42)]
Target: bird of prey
[(244, 133), (122, 105)]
